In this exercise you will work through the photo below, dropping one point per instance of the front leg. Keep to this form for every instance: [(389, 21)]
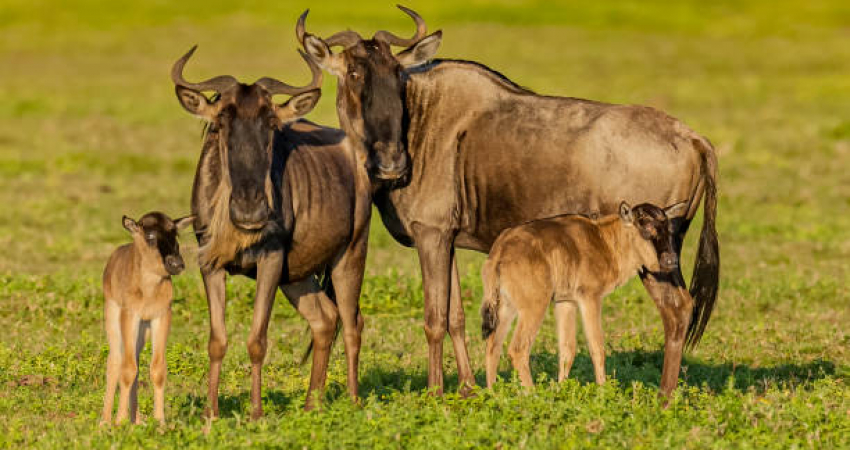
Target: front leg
[(269, 269), (214, 284), (159, 335), (435, 252), (129, 367)]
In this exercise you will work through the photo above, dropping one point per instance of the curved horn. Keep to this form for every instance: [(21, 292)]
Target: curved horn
[(218, 84), (276, 87), (299, 27), (343, 38), (421, 31)]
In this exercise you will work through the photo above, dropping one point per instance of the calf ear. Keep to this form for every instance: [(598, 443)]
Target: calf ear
[(196, 103), (420, 52), (626, 213), (298, 106), (130, 224), (183, 222), (677, 210), (323, 56)]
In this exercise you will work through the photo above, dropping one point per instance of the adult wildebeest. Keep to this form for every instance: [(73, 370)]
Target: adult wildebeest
[(574, 262), (280, 200), (460, 153)]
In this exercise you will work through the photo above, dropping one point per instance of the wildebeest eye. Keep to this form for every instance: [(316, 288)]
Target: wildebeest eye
[(151, 238), (355, 75)]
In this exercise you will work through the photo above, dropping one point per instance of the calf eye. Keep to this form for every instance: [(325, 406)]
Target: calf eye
[(354, 75), (151, 237)]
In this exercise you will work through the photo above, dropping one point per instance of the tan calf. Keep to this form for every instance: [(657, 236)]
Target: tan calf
[(137, 291), (574, 262)]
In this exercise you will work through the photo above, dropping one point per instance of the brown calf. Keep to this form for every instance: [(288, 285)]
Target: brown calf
[(575, 262), (137, 291)]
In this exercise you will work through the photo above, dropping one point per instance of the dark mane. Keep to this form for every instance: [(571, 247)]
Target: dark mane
[(497, 76)]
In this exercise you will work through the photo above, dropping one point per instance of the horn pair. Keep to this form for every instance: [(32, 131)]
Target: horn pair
[(349, 38), (221, 83)]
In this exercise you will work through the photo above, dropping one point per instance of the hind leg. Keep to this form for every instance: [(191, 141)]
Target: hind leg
[(507, 314), (528, 324), (112, 324), (321, 314), (565, 320), (347, 278), (591, 316)]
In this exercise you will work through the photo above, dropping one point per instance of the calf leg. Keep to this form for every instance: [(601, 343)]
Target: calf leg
[(676, 306), (457, 331), (591, 316), (565, 321), (268, 276), (129, 323), (112, 324), (347, 278), (320, 312), (214, 285), (528, 324), (507, 314), (159, 335)]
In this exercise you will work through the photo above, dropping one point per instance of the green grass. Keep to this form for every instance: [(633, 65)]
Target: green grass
[(90, 130)]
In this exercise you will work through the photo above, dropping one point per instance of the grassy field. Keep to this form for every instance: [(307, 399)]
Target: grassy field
[(90, 130)]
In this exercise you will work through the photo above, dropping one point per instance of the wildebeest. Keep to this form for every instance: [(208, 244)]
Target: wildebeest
[(574, 262), (458, 153), (137, 294), (283, 201)]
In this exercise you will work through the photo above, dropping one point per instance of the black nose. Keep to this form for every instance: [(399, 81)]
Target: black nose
[(250, 212), (174, 264), (669, 261), (391, 160)]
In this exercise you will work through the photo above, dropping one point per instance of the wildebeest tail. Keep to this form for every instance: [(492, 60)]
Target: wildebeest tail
[(490, 302), (327, 286), (706, 277)]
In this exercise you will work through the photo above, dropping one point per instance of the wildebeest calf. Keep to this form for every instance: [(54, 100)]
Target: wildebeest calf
[(137, 291), (574, 261)]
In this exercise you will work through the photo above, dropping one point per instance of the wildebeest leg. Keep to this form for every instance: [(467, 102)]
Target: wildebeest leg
[(531, 316), (347, 278), (675, 305), (506, 314), (565, 321), (216, 302), (129, 367), (435, 247), (159, 336), (268, 276), (112, 324), (457, 331), (591, 317), (320, 312)]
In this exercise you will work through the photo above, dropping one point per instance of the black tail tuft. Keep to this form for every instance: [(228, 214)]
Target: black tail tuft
[(490, 303), (706, 277)]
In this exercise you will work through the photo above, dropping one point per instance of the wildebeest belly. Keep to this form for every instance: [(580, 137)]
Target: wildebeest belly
[(512, 172)]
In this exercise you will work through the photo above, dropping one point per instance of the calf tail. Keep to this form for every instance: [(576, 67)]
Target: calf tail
[(706, 277), (490, 303)]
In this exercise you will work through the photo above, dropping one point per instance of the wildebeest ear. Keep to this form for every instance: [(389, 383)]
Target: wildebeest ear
[(196, 103), (183, 222), (323, 56), (130, 224), (677, 210), (626, 213), (420, 52), (298, 106)]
